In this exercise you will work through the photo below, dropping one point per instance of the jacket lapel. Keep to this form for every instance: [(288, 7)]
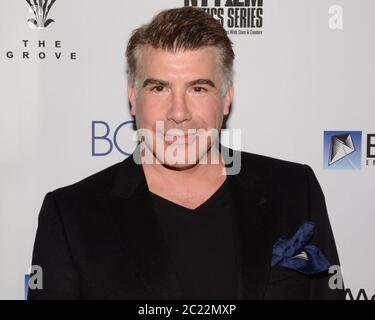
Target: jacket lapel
[(255, 227), (140, 234), (254, 236)]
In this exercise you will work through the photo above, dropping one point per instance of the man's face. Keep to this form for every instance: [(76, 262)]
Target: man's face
[(183, 90)]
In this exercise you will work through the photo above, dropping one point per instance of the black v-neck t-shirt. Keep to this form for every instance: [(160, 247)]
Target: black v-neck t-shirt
[(201, 244)]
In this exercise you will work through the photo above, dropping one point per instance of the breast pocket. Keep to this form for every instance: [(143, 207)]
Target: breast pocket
[(284, 274), (284, 283)]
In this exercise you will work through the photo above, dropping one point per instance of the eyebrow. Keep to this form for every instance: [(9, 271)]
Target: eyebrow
[(166, 83), (156, 82), (202, 81)]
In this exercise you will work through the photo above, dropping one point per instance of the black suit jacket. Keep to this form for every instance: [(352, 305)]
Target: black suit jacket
[(99, 238)]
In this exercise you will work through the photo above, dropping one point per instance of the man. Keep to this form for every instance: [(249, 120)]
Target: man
[(164, 223)]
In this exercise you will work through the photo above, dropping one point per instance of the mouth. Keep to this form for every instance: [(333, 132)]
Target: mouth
[(178, 139)]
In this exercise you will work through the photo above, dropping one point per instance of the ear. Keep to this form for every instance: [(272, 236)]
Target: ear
[(228, 98), (132, 99)]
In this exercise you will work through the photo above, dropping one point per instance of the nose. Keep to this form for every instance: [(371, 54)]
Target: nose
[(178, 111)]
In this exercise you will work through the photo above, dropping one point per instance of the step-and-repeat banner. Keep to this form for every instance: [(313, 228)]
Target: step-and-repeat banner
[(304, 92)]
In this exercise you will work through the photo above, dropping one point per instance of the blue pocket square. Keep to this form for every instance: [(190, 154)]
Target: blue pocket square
[(294, 253)]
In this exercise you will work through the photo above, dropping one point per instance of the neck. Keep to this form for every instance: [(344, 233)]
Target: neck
[(185, 176)]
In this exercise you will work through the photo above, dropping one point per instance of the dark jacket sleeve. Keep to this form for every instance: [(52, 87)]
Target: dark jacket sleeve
[(323, 238), (52, 253)]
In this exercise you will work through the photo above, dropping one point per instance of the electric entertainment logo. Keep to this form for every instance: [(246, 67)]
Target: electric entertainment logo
[(342, 149), (238, 17), (370, 150)]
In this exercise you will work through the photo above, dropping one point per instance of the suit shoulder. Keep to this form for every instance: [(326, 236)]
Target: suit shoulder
[(274, 168), (96, 184)]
